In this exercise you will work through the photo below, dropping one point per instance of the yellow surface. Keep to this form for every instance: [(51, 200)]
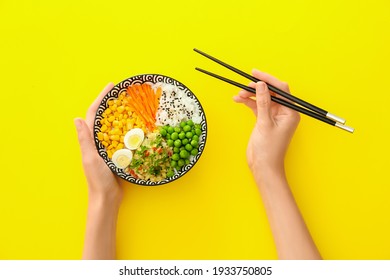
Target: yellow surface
[(55, 57)]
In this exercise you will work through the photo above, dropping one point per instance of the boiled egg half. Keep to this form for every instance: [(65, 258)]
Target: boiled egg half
[(122, 158), (134, 138)]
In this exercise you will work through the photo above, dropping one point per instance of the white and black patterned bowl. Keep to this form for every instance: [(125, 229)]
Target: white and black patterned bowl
[(114, 93)]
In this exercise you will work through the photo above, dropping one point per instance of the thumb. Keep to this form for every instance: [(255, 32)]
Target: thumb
[(87, 145), (263, 102)]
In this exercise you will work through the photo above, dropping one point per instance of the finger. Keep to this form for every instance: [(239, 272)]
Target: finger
[(92, 109), (263, 102), (250, 103), (265, 77), (87, 146), (245, 94)]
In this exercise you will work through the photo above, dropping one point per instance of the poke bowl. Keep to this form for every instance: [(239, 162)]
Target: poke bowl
[(150, 129)]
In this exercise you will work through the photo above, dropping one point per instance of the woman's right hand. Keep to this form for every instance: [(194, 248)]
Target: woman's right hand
[(274, 127)]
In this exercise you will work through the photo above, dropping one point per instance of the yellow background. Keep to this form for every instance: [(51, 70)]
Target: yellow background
[(55, 57)]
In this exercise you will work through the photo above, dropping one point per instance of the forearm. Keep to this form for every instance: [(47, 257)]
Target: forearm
[(100, 236), (291, 236)]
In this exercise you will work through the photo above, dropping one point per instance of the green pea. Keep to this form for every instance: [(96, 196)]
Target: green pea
[(170, 142), (170, 173), (174, 163), (182, 148), (194, 143), (177, 143), (168, 136), (198, 126), (182, 135), (174, 136), (184, 154), (170, 130), (195, 137), (175, 157), (198, 131), (189, 134), (194, 152), (189, 147), (190, 123), (163, 132), (186, 128), (176, 150), (177, 129), (187, 161), (183, 124), (180, 163), (185, 141)]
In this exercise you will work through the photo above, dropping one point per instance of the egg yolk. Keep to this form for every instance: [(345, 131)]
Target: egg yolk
[(134, 140), (123, 160)]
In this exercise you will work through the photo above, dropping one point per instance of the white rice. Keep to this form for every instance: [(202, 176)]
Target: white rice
[(175, 106)]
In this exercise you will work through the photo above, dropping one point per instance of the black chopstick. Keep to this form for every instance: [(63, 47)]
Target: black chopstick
[(276, 90), (273, 98), (328, 118)]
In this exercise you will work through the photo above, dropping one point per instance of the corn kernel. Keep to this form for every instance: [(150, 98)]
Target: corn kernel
[(116, 114), (114, 143), (114, 137), (105, 144), (105, 137), (100, 136), (103, 128), (110, 147), (113, 107), (109, 154), (122, 139), (111, 119), (110, 102), (108, 111), (121, 109), (120, 146), (115, 123)]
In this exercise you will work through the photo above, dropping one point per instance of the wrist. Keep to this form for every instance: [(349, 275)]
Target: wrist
[(104, 201), (268, 174)]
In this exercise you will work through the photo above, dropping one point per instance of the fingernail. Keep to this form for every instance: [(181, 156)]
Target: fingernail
[(262, 86)]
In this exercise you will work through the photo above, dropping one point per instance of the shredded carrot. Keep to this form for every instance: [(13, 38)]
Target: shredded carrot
[(150, 95), (144, 101), (145, 95)]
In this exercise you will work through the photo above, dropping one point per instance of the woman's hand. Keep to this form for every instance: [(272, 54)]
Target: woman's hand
[(102, 183), (274, 127)]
